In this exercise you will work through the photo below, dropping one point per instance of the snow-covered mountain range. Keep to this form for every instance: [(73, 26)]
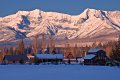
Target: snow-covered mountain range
[(89, 24)]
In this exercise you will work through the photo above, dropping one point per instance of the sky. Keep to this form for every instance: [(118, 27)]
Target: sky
[(72, 7)]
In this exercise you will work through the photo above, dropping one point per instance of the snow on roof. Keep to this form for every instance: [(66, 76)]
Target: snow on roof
[(93, 50), (89, 56), (49, 56), (80, 59)]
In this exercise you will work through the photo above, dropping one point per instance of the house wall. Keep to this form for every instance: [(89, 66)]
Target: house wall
[(1, 58)]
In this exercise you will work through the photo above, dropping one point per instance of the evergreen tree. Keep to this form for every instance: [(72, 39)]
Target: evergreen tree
[(43, 43), (75, 51), (10, 51), (100, 45), (21, 47), (94, 45), (35, 45), (116, 51), (51, 43)]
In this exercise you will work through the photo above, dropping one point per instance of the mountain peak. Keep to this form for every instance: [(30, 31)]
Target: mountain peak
[(90, 9), (36, 10), (91, 23)]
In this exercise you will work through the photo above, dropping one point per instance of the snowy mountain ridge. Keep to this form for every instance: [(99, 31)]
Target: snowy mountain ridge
[(89, 24)]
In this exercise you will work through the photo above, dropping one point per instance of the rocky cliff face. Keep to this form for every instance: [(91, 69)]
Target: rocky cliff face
[(89, 24)]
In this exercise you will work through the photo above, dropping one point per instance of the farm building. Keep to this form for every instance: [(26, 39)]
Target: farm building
[(49, 57), (95, 57), (15, 59), (1, 57)]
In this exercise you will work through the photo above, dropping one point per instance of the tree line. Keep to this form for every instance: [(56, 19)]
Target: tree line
[(112, 48)]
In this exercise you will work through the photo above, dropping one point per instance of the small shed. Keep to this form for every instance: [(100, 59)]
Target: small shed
[(95, 57), (15, 59)]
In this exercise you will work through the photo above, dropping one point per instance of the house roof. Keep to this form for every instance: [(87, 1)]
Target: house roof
[(49, 56), (94, 50), (80, 59), (89, 56), (15, 57)]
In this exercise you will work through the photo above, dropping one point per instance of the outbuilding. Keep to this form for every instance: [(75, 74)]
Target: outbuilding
[(95, 57), (15, 59), (49, 57)]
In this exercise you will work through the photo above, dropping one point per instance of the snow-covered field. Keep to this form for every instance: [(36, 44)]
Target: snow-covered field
[(58, 72)]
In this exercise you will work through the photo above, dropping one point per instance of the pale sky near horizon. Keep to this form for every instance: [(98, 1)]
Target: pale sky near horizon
[(73, 7)]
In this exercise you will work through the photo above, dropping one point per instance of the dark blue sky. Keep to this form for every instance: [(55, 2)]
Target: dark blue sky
[(64, 6)]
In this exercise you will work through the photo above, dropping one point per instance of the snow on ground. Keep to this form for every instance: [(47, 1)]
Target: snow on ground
[(58, 72)]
